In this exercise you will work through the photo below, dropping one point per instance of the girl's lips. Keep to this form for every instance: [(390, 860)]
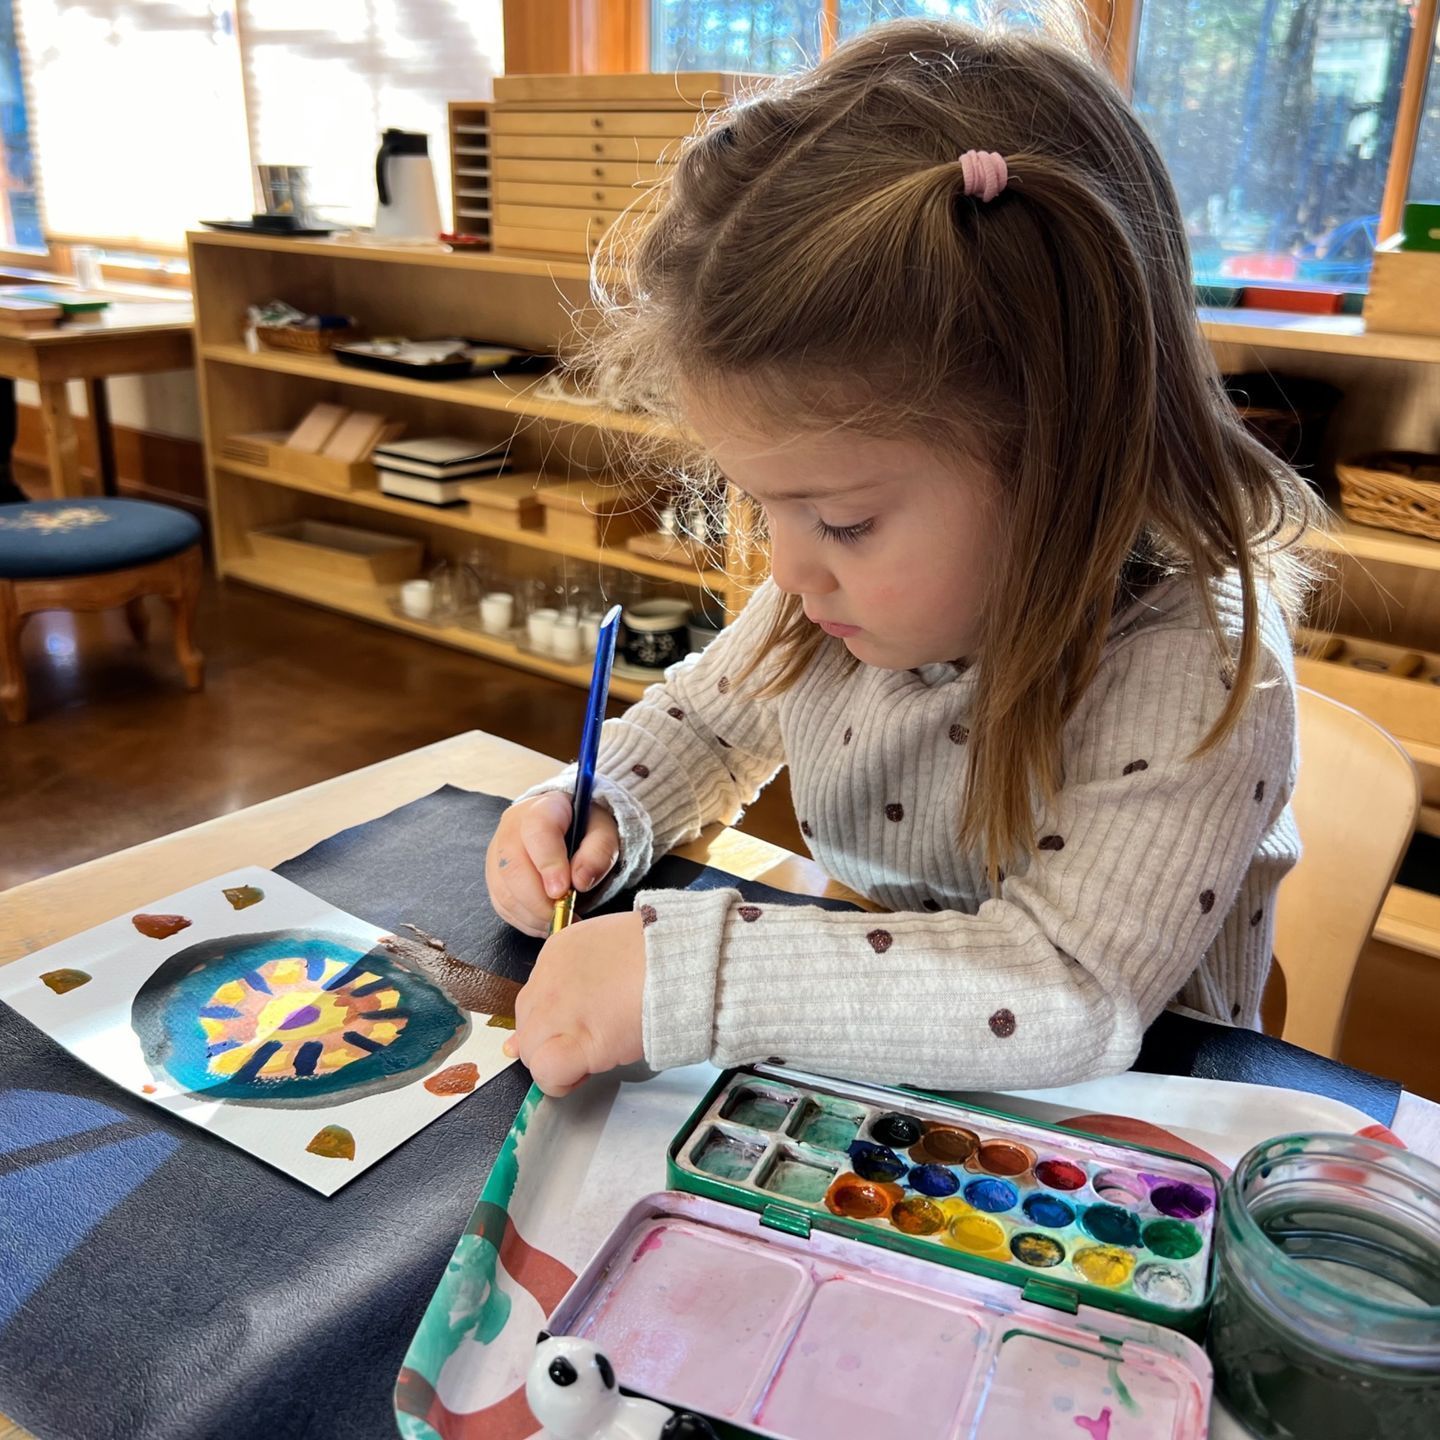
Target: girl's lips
[(831, 627)]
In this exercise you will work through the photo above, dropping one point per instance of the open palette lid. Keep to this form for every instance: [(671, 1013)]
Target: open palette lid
[(698, 1305), (1071, 1219)]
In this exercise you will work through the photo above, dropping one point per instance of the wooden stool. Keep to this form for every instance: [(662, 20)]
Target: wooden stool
[(95, 554)]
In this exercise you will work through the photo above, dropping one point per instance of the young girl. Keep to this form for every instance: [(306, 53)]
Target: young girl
[(1023, 645)]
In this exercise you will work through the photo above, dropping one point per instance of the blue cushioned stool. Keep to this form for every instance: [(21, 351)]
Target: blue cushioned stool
[(93, 554)]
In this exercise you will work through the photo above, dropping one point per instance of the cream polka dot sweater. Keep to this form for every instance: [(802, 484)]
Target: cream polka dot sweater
[(1154, 880)]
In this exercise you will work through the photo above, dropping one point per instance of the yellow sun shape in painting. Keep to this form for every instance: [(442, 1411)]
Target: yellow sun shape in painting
[(299, 1017)]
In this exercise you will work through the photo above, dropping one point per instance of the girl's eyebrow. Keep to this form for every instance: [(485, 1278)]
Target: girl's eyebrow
[(825, 494)]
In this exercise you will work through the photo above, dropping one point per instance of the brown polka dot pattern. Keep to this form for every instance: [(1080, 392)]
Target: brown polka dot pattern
[(847, 736), (959, 734), (1052, 842), (723, 684), (675, 713), (1259, 791), (880, 941), (1135, 765), (806, 831), (1002, 1024), (648, 915), (895, 812), (1207, 901), (749, 913), (1234, 1012), (643, 771)]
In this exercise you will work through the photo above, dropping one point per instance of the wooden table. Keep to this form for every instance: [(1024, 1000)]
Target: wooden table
[(56, 906), (134, 336)]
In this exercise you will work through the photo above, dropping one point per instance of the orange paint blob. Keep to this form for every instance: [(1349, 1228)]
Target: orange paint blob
[(61, 981), (160, 927), (454, 1079), (858, 1199), (334, 1142)]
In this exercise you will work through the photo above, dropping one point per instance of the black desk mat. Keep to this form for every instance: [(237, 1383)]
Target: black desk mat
[(156, 1282)]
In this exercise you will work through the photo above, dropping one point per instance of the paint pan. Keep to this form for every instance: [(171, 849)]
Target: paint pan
[(787, 1336), (1010, 1198)]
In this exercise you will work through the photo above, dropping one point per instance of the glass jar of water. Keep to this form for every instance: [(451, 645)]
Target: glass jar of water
[(1326, 1319)]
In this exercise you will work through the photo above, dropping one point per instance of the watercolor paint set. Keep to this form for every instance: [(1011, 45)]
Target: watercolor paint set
[(832, 1258), (1069, 1218)]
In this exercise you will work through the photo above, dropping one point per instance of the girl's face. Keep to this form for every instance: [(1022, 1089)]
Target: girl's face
[(889, 544)]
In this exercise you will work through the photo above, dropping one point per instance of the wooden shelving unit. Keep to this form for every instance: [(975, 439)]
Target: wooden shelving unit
[(502, 394), (414, 290)]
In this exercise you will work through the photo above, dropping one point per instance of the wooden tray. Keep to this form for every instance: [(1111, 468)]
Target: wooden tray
[(343, 552)]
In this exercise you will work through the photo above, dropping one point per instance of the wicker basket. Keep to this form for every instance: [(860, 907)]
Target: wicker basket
[(1394, 489), (302, 341)]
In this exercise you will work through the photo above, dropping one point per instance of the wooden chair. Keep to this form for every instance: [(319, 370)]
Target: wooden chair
[(95, 555), (1355, 802)]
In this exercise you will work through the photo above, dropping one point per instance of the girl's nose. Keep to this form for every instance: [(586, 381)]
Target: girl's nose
[(798, 570)]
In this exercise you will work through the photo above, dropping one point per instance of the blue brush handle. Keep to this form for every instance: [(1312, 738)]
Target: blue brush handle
[(594, 719)]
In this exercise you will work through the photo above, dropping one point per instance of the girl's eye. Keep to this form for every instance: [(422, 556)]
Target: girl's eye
[(844, 534)]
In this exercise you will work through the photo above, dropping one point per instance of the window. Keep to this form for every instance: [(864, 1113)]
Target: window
[(148, 115), (751, 35), (1276, 118), (757, 36), (138, 116), (1425, 177), (857, 15), (323, 78), (21, 220)]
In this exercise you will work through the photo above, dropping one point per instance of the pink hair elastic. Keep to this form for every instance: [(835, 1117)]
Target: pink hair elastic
[(986, 174)]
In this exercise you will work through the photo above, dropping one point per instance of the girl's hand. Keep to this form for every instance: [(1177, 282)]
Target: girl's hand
[(581, 1013), (526, 868)]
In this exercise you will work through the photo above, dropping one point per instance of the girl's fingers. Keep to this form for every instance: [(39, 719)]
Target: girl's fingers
[(558, 1065), (597, 855), (542, 832)]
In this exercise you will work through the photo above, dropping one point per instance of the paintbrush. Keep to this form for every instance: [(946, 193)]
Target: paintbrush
[(564, 911)]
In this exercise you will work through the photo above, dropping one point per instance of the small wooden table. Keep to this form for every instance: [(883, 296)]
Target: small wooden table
[(134, 336)]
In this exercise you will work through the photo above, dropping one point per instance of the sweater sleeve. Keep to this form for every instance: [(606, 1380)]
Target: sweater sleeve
[(693, 751), (1140, 857)]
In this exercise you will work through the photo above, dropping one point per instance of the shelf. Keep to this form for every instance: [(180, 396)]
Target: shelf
[(1325, 334), (466, 261), (367, 602), (474, 524), (1410, 919), (510, 395), (1366, 542)]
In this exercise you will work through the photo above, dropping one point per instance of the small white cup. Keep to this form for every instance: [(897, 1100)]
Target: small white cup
[(417, 598), (565, 637), (590, 632), (497, 613), (540, 626)]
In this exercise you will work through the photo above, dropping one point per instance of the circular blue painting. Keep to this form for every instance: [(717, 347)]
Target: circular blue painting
[(294, 1019)]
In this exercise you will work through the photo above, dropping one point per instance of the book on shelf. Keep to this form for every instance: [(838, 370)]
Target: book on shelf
[(419, 487), (441, 457)]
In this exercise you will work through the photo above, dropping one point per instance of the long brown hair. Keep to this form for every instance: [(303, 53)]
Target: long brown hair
[(815, 246)]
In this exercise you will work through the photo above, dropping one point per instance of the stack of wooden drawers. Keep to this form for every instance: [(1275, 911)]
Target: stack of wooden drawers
[(571, 152)]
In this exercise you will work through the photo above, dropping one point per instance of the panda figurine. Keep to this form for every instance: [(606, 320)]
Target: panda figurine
[(572, 1392)]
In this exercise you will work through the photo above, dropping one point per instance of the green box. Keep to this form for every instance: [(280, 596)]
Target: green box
[(1420, 225), (748, 1155)]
